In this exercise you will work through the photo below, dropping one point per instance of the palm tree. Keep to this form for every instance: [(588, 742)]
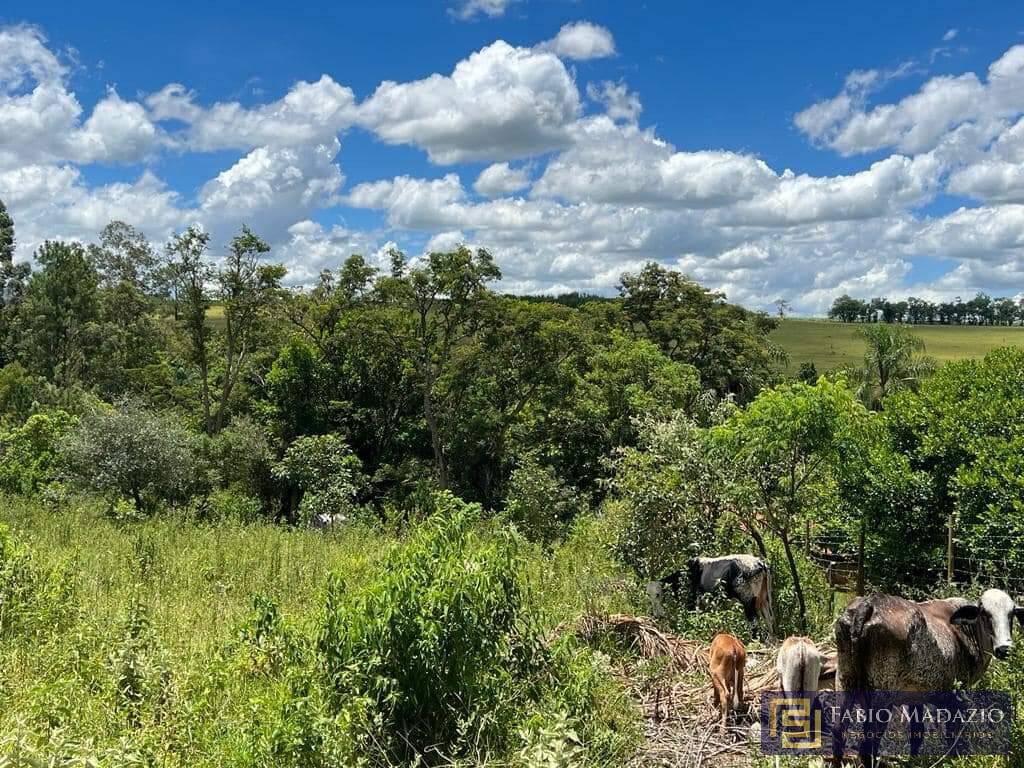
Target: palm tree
[(891, 363)]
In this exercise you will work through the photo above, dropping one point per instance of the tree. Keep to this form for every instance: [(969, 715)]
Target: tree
[(247, 291), (890, 363), (59, 314), (847, 309), (124, 262), (729, 345), (12, 287), (124, 255), (186, 262), (784, 446), (7, 240), (128, 452), (429, 310)]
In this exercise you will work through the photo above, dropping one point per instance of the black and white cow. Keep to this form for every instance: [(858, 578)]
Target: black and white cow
[(745, 578)]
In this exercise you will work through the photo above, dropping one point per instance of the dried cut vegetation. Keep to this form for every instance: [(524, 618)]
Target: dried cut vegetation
[(680, 729)]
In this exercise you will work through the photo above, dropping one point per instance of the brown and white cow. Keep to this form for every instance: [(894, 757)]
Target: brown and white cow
[(799, 665), (728, 658), (744, 577), (888, 643)]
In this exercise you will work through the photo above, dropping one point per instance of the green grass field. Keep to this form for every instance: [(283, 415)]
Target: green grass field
[(831, 345)]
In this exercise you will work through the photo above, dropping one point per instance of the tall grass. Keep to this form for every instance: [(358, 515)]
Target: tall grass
[(172, 642)]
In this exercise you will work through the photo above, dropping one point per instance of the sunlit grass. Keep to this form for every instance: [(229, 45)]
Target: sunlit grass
[(831, 344)]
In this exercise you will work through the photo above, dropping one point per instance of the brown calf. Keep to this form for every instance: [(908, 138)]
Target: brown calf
[(728, 659)]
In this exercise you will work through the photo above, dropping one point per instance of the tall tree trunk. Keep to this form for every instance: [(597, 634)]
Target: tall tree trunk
[(759, 541), (796, 581), (435, 431)]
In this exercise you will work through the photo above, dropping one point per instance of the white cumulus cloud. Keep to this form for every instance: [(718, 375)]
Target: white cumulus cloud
[(581, 40)]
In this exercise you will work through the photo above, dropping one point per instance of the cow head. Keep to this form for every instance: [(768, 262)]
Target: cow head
[(1000, 610)]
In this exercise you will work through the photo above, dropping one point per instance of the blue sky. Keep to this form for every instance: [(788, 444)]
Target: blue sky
[(792, 150)]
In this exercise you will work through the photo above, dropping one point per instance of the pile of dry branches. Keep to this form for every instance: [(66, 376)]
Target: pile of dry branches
[(680, 727)]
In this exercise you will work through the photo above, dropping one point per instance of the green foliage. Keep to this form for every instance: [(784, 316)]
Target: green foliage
[(6, 235), (298, 391), (227, 504), (785, 448), (891, 363), (240, 456), (326, 472), (671, 488), (59, 313), (128, 452), (35, 600), (808, 372), (139, 671), (29, 454), (962, 432), (727, 344), (539, 503), (422, 662)]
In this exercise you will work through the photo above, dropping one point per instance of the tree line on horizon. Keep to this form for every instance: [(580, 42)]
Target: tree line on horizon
[(980, 310)]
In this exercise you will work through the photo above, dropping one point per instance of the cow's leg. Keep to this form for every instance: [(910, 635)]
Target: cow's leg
[(721, 697)]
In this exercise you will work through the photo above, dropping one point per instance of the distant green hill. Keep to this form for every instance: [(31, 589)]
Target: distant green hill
[(830, 344)]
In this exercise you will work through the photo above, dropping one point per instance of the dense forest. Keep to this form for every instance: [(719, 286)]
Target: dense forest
[(489, 470)]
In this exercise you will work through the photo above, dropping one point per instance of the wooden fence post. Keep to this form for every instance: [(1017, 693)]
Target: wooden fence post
[(949, 550), (860, 559)]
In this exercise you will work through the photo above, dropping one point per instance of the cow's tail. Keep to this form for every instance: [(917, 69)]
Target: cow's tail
[(852, 647), (737, 680)]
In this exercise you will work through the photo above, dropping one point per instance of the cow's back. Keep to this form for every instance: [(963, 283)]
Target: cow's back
[(888, 643)]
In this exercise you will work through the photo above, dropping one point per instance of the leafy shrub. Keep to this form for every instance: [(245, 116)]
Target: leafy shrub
[(19, 391), (539, 503), (440, 660), (327, 473), (672, 506), (132, 453), (29, 453), (240, 456), (424, 659), (226, 504)]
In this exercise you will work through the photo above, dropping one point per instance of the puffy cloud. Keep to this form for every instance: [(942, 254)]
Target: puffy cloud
[(619, 102), (24, 58), (581, 40), (950, 35), (309, 248), (988, 233), (40, 117), (501, 179), (886, 187), (309, 113), (998, 174), (469, 9), (271, 187), (623, 164), (53, 202), (918, 122), (500, 103)]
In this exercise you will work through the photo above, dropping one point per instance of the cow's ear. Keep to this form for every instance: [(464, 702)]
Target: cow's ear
[(1019, 613), (965, 614)]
